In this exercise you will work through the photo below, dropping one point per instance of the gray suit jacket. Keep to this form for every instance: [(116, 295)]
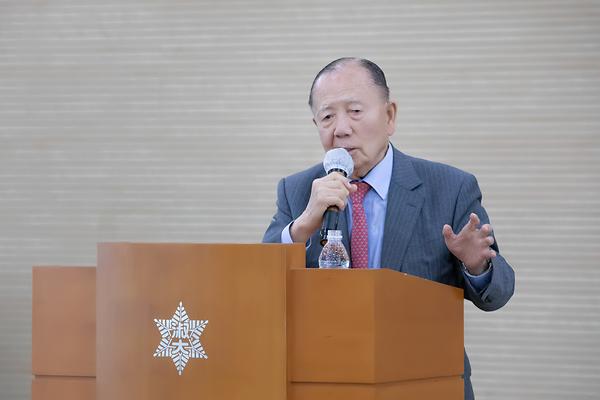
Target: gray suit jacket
[(423, 196)]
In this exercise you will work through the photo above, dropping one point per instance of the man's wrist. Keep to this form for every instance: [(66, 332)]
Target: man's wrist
[(299, 232), (477, 271)]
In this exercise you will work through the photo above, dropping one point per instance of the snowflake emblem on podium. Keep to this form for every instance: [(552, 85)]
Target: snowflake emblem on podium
[(180, 338)]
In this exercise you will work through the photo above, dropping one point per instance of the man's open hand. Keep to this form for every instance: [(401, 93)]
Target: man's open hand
[(471, 245)]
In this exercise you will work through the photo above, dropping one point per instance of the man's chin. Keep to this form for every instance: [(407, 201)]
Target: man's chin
[(359, 172)]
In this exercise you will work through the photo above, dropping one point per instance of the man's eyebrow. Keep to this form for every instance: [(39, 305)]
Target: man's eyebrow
[(323, 108)]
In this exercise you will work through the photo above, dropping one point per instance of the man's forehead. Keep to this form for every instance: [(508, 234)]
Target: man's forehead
[(349, 83)]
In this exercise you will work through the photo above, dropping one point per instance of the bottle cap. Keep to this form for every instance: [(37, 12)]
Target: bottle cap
[(334, 234)]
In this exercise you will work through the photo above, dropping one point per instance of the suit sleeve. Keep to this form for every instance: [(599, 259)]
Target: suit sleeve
[(502, 283), (282, 217)]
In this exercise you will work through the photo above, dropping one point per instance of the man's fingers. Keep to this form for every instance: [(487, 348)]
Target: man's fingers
[(325, 197), (343, 193), (472, 243), (473, 221), (336, 180), (447, 232), (335, 201), (340, 184), (486, 229), (336, 176), (334, 185), (338, 198), (337, 188), (351, 187)]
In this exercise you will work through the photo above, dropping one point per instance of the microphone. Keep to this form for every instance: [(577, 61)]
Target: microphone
[(336, 160)]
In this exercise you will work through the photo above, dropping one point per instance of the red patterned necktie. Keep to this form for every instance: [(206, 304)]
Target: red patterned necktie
[(359, 245)]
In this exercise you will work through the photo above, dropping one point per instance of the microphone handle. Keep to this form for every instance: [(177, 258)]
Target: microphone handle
[(330, 222)]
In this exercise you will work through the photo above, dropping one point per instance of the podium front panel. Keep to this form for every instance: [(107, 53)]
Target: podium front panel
[(63, 339), (373, 327), (237, 293)]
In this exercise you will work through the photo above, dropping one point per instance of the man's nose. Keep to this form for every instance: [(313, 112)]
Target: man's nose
[(342, 126)]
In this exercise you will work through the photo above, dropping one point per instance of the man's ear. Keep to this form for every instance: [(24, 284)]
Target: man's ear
[(391, 111)]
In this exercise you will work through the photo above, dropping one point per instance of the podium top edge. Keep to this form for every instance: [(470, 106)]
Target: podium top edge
[(194, 244), (60, 266)]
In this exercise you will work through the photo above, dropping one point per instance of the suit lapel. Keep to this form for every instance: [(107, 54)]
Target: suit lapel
[(404, 205)]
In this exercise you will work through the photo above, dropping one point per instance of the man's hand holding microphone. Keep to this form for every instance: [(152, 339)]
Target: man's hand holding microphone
[(328, 196)]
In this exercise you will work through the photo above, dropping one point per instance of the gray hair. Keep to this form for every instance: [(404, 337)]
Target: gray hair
[(376, 73)]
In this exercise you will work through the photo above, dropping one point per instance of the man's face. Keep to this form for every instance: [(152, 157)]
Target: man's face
[(350, 112)]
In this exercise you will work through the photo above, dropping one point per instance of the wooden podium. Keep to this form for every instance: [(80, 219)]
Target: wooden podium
[(241, 321)]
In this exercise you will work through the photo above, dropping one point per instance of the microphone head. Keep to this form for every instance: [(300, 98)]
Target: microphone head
[(338, 160)]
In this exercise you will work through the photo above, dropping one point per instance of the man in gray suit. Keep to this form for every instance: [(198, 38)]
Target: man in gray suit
[(422, 217)]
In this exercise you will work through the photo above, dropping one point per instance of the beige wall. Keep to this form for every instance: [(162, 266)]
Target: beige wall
[(173, 121)]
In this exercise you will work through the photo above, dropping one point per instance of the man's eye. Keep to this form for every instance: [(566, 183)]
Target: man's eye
[(356, 111), (327, 117)]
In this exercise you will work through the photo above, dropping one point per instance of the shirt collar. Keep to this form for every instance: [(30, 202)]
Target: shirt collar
[(380, 176)]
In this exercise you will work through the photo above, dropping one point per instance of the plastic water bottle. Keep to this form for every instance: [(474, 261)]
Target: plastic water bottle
[(334, 254)]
